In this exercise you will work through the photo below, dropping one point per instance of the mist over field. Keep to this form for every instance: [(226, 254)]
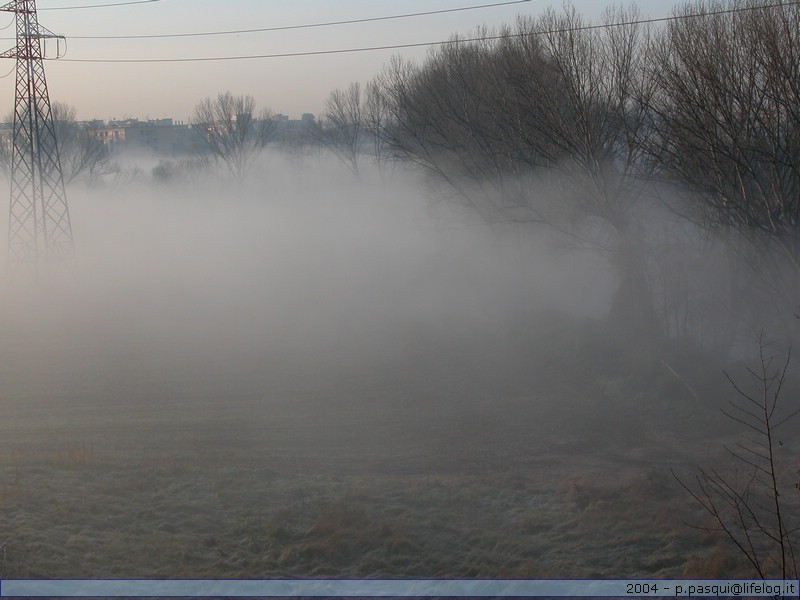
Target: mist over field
[(304, 271), (523, 309), (311, 374)]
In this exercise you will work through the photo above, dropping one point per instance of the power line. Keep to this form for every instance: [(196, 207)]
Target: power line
[(292, 27), (258, 56), (98, 5), (430, 44)]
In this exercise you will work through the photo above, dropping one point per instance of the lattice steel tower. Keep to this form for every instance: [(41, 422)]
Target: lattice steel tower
[(39, 229)]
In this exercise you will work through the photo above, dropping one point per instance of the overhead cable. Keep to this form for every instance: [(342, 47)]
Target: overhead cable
[(107, 5), (292, 27), (432, 44)]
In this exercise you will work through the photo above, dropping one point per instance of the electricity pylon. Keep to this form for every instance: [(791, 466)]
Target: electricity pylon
[(39, 229)]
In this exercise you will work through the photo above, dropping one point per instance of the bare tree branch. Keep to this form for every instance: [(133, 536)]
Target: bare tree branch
[(230, 132)]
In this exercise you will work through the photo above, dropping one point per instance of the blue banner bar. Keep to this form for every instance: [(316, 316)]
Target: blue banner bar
[(382, 588)]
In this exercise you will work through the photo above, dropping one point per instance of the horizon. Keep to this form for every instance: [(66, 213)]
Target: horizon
[(287, 85)]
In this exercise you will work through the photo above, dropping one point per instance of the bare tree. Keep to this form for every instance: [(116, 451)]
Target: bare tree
[(81, 152), (376, 119), (728, 116), (343, 127), (542, 124), (751, 509), (725, 131), (444, 116), (592, 124), (230, 133)]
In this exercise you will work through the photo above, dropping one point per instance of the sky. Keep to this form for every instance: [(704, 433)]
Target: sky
[(290, 85)]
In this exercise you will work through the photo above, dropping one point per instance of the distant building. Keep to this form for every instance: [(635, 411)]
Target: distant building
[(166, 137), (162, 137), (294, 130), (112, 136)]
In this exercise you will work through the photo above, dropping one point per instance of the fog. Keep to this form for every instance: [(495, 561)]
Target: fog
[(311, 368), (304, 259), (203, 295), (311, 374)]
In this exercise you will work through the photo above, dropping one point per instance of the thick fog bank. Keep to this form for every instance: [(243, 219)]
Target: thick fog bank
[(300, 275)]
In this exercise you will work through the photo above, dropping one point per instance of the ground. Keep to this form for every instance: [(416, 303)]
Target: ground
[(126, 465)]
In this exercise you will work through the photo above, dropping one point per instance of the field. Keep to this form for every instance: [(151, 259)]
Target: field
[(324, 383), (445, 459)]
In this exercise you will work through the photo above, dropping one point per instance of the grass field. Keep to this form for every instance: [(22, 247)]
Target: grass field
[(126, 460), (207, 507)]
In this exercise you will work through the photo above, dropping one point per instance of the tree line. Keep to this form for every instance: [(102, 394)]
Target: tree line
[(674, 152), (672, 149)]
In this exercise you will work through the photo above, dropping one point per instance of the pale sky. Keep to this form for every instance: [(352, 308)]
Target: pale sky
[(285, 85)]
